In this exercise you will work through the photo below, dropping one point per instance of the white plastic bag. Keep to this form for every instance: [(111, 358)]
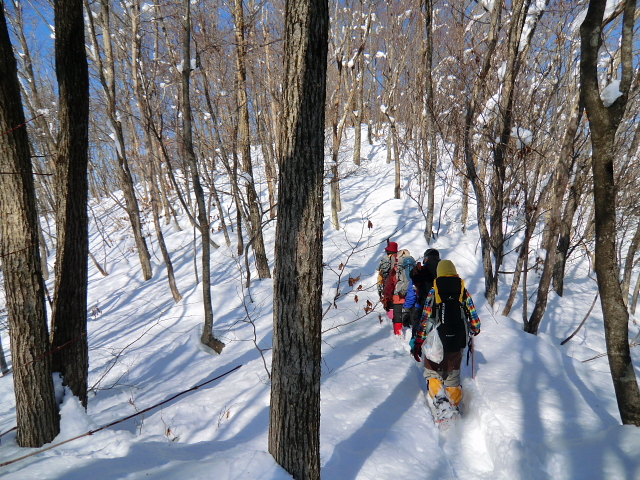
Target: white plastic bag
[(432, 347)]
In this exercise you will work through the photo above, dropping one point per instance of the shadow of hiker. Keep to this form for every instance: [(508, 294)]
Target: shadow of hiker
[(350, 455)]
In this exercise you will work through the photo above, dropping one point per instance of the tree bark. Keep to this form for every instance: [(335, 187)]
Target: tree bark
[(294, 426), (604, 123), (36, 409), (69, 312)]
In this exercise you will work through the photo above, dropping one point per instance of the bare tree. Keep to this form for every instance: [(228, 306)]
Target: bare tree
[(207, 337), (491, 288), (143, 96), (561, 179), (36, 409), (255, 210), (429, 139), (294, 426), (604, 121), (110, 86)]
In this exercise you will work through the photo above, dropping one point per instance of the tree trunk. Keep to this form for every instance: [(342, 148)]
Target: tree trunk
[(294, 426), (255, 209), (490, 285), (207, 337), (566, 225), (268, 155), (396, 157), (533, 210), (519, 10), (69, 312), (36, 409), (106, 74), (562, 170), (152, 157), (358, 112), (431, 155), (604, 123)]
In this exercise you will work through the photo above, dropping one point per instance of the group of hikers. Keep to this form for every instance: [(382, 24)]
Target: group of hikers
[(430, 298)]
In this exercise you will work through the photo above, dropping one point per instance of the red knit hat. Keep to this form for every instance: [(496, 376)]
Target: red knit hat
[(392, 247)]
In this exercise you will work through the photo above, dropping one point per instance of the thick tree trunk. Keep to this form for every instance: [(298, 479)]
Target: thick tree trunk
[(69, 317), (604, 122), (36, 409), (294, 427)]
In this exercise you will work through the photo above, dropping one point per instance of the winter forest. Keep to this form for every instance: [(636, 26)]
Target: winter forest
[(187, 188)]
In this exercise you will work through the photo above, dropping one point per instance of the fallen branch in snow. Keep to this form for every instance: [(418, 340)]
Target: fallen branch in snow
[(91, 432), (594, 358), (583, 320)]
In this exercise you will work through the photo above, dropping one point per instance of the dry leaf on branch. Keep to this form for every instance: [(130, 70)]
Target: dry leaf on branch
[(353, 281), (368, 308)]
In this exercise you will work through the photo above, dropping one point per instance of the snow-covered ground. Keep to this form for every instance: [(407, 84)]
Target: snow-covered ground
[(535, 410)]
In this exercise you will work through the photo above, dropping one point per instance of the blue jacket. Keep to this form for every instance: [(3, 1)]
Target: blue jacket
[(411, 299)]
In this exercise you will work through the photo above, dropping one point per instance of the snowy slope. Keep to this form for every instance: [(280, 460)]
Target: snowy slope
[(534, 410)]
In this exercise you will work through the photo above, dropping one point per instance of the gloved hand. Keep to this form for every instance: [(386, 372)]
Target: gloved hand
[(416, 354), (473, 333)]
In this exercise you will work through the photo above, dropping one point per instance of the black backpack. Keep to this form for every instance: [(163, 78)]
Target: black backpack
[(450, 312)]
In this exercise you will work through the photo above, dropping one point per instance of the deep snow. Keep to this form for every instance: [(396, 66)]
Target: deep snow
[(535, 411)]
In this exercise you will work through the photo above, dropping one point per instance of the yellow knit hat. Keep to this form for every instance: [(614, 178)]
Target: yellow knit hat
[(446, 267)]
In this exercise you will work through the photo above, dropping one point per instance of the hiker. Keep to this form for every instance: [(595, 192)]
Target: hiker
[(449, 308), (386, 262), (422, 277), (393, 282)]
